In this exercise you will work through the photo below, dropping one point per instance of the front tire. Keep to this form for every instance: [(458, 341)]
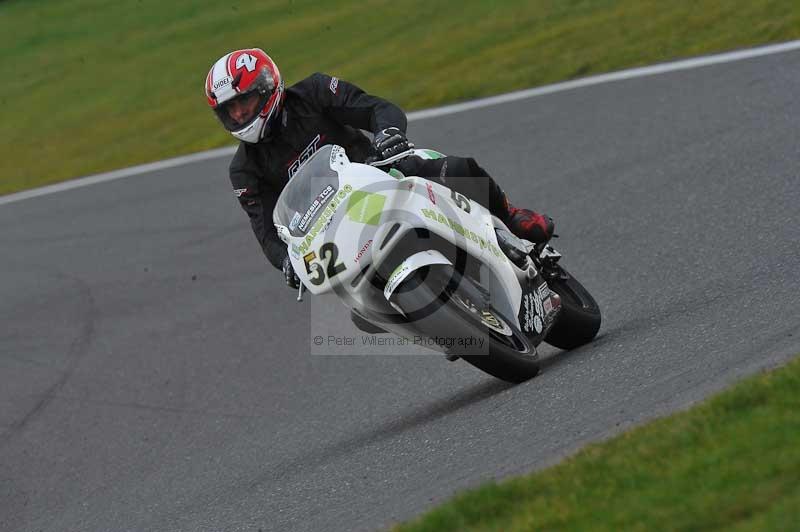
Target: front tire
[(438, 300), (579, 319)]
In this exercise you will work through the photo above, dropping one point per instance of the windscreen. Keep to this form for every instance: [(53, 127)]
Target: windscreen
[(308, 191)]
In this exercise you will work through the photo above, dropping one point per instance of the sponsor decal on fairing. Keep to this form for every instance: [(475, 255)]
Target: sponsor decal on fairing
[(324, 219), (363, 250), (336, 153), (366, 207), (294, 221), (463, 231), (394, 279), (315, 206), (536, 305), (431, 193)]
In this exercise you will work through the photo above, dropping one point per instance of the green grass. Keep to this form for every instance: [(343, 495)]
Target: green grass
[(92, 85), (729, 463)]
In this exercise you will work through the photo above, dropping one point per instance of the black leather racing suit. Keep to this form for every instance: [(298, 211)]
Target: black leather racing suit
[(322, 110)]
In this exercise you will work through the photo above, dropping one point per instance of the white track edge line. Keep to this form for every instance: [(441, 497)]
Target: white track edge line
[(620, 75), (684, 64)]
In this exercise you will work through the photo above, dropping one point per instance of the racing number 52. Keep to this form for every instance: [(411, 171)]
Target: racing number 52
[(327, 252)]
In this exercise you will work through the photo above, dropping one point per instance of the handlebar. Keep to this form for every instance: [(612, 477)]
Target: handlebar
[(392, 159)]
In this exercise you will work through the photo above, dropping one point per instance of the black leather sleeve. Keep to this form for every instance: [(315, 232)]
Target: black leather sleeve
[(258, 200), (349, 105)]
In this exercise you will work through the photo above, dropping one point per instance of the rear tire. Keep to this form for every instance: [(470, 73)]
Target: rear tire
[(579, 319), (447, 303)]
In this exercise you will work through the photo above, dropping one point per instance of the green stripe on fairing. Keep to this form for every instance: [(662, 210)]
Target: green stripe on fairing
[(365, 207), (434, 154)]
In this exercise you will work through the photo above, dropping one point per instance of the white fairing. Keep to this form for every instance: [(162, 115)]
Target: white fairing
[(357, 232)]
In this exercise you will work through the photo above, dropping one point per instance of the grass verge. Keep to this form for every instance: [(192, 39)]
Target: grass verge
[(729, 463), (93, 85)]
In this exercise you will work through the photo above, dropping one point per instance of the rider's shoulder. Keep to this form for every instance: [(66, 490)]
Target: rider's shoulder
[(307, 82), (318, 81), (244, 160), (240, 156)]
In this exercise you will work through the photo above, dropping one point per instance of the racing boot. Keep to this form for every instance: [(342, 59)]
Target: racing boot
[(530, 225)]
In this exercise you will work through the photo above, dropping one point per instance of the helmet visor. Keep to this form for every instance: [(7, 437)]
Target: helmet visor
[(239, 112)]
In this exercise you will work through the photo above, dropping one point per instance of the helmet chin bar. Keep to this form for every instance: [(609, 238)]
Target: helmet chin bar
[(253, 132), (259, 127)]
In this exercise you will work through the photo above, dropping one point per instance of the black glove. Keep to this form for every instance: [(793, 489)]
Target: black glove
[(292, 280), (389, 142)]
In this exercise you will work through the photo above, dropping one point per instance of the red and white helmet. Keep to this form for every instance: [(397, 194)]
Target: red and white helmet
[(245, 90)]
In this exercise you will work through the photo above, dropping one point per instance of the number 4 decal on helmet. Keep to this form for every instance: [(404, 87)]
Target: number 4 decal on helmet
[(247, 61)]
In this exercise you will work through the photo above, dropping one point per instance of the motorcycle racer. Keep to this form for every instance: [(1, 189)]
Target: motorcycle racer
[(280, 128)]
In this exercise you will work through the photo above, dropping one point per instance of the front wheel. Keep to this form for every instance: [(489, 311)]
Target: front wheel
[(443, 304), (579, 320)]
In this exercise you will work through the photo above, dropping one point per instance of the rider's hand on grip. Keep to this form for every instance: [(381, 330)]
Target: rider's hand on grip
[(389, 142), (292, 280)]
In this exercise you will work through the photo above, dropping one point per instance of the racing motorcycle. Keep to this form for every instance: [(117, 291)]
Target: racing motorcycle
[(415, 258)]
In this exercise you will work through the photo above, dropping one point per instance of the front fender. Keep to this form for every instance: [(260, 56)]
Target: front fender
[(409, 266)]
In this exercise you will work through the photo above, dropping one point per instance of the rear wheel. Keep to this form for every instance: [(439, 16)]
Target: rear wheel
[(444, 305), (579, 320)]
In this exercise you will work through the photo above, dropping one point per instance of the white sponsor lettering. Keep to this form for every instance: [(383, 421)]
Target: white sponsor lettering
[(533, 303), (334, 85), (304, 155), (224, 81), (315, 207)]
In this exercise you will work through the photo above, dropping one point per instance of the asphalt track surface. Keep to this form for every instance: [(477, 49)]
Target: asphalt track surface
[(154, 375)]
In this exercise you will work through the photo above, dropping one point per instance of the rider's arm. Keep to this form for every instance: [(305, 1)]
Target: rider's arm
[(258, 201), (349, 105)]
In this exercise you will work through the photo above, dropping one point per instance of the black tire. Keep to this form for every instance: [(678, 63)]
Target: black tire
[(579, 320), (442, 298)]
